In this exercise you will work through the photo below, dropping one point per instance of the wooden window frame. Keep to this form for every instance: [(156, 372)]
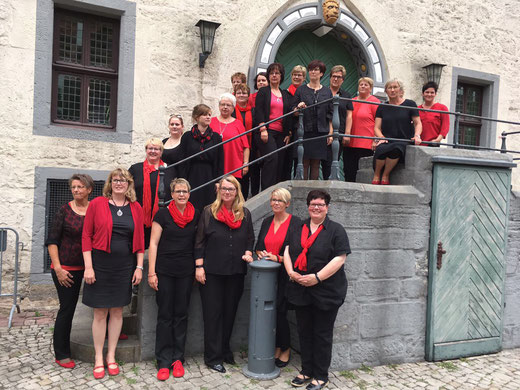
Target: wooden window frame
[(469, 121), (84, 71)]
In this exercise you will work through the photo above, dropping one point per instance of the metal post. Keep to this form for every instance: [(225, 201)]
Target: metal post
[(299, 166), (334, 171), (456, 129), (503, 147), (160, 191), (262, 321)]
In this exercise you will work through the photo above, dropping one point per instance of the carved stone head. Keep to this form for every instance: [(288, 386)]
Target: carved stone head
[(330, 11)]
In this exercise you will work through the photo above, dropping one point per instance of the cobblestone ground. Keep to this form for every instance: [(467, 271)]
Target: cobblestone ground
[(27, 362)]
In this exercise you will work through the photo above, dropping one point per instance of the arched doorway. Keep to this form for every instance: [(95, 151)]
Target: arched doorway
[(302, 46)]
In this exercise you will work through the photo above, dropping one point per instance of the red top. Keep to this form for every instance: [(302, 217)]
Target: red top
[(363, 121), (276, 111), (234, 150), (97, 228), (252, 99), (273, 241), (434, 123)]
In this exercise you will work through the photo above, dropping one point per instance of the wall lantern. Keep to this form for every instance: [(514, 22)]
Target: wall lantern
[(207, 36), (433, 72)]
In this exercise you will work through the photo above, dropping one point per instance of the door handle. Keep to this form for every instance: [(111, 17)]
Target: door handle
[(440, 252)]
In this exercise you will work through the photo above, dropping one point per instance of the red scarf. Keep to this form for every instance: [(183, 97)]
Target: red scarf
[(306, 241), (182, 219), (292, 89), (148, 211), (248, 122), (226, 216)]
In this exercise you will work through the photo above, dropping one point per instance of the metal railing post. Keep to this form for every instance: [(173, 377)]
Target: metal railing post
[(334, 170), (503, 146), (160, 191), (299, 166), (456, 129)]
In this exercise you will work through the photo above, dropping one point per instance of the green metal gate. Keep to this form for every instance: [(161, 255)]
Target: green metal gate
[(470, 205)]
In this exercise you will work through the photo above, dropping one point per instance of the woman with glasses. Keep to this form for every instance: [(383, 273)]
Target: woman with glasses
[(316, 120), (314, 261), (171, 152), (272, 240), (223, 247), (171, 269), (113, 251), (67, 266), (272, 102)]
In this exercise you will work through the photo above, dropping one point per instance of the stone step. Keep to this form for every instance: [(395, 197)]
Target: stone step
[(82, 347)]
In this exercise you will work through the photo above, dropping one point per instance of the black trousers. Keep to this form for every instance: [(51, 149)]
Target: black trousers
[(220, 297), (351, 158), (173, 300), (272, 168), (68, 297), (283, 331), (315, 331)]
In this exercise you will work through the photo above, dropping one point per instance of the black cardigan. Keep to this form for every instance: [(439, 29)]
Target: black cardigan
[(263, 108)]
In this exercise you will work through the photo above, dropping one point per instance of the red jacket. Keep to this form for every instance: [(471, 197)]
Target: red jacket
[(97, 228)]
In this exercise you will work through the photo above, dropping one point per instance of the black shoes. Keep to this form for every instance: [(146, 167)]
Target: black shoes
[(299, 382), (318, 386), (230, 360), (217, 367)]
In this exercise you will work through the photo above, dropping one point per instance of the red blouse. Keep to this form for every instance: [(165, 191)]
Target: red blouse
[(273, 241)]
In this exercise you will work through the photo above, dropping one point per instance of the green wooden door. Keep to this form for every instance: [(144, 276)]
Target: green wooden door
[(302, 46), (466, 292)]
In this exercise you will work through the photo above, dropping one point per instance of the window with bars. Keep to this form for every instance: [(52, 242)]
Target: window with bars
[(469, 101), (85, 69), (58, 193)]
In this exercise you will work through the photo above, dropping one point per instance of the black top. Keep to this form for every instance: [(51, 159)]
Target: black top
[(171, 156), (344, 105), (122, 230), (263, 108), (316, 118), (396, 122), (264, 229), (66, 234), (331, 242), (222, 247), (175, 250)]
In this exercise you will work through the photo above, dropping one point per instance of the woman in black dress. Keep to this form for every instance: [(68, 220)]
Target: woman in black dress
[(272, 240), (171, 152), (170, 272), (314, 261), (113, 251), (206, 167), (394, 122), (223, 246), (316, 120), (67, 266)]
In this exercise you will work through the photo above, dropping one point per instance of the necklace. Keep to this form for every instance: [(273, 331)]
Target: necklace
[(119, 212), (222, 130)]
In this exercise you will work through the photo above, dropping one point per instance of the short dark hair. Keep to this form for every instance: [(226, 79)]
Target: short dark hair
[(430, 84), (261, 74), (318, 194), (85, 179), (241, 75), (276, 66), (317, 64)]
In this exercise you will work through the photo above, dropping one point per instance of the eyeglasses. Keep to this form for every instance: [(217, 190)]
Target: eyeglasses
[(277, 200), (317, 205), (336, 77), (181, 192), (227, 189), (225, 105), (119, 181), (153, 149)]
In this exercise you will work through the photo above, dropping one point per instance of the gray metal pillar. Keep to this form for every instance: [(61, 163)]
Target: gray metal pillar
[(262, 321)]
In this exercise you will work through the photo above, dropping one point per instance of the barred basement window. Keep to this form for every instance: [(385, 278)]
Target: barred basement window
[(58, 193), (85, 70)]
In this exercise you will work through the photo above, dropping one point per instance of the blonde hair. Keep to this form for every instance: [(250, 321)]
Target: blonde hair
[(179, 181), (154, 141), (238, 203), (121, 172), (283, 194), (339, 68), (397, 81), (367, 80), (301, 69)]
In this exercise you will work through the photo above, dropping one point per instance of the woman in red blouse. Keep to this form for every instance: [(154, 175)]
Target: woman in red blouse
[(435, 125), (272, 240), (64, 245), (113, 251)]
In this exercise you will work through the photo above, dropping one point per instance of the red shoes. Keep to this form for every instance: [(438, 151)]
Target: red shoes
[(385, 182), (113, 371), (70, 364), (99, 374), (178, 369), (376, 182), (163, 374)]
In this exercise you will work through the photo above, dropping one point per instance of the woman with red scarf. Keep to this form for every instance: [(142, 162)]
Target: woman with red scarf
[(170, 272), (314, 261), (272, 240), (223, 246), (146, 179), (244, 113)]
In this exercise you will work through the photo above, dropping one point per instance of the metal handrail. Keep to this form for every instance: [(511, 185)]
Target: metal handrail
[(18, 248)]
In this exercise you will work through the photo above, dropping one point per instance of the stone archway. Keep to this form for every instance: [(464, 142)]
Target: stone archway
[(349, 31)]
